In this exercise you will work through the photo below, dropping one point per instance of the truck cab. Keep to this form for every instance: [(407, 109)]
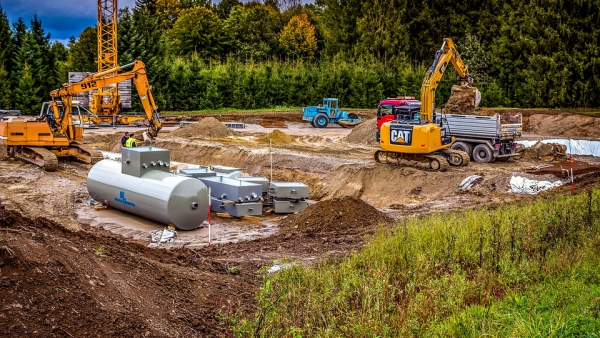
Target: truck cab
[(391, 108)]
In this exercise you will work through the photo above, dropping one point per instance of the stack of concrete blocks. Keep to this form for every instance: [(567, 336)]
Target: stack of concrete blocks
[(288, 197), (229, 195), (239, 195), (282, 197)]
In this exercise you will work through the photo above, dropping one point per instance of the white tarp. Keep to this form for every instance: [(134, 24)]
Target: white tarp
[(576, 147), (522, 185), (470, 182)]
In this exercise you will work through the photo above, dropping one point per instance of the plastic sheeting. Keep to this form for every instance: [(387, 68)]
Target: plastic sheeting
[(522, 185), (470, 182), (576, 147)]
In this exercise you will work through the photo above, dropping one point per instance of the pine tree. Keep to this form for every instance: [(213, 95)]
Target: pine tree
[(26, 93), (5, 90), (6, 43)]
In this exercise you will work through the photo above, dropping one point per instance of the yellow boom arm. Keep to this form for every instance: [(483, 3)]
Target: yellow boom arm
[(105, 79), (447, 53)]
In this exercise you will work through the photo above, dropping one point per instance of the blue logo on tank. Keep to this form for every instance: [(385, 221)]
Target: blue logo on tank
[(121, 199)]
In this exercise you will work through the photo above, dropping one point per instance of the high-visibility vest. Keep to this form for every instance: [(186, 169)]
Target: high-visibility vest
[(131, 142)]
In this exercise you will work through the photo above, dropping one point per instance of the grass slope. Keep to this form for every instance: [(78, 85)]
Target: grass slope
[(515, 270)]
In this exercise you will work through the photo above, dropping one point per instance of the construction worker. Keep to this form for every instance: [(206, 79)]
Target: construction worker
[(131, 141), (124, 139)]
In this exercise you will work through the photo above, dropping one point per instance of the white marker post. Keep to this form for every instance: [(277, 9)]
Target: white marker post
[(271, 152), (209, 203), (571, 164)]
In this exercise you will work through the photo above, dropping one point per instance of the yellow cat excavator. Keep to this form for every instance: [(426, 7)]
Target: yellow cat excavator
[(419, 140), (54, 134)]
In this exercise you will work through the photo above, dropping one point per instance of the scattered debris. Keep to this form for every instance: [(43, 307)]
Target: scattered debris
[(273, 124), (279, 267), (470, 182), (159, 237), (563, 168), (522, 185)]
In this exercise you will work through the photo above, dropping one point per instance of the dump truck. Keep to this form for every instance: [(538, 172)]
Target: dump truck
[(329, 112), (485, 138)]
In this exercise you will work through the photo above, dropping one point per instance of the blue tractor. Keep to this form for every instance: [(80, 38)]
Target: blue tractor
[(329, 112)]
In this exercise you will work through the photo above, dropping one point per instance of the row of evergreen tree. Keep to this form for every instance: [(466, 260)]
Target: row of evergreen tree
[(281, 53)]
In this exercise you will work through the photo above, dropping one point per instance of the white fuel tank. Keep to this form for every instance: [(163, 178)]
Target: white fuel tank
[(156, 195)]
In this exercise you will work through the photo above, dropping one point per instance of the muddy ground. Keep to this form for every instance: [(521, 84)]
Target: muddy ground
[(69, 270)]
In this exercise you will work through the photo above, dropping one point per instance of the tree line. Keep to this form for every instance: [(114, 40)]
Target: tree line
[(202, 55)]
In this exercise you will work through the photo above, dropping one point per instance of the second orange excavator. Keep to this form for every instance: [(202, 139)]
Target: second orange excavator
[(57, 134)]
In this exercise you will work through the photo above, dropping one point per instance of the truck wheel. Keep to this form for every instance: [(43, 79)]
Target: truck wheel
[(467, 148), (321, 120), (482, 153), (352, 116)]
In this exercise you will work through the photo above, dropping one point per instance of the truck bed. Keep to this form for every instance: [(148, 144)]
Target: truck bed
[(475, 126)]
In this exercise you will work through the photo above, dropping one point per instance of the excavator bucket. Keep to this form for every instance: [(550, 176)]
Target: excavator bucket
[(463, 100)]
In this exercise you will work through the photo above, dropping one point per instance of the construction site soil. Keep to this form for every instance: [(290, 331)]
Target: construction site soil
[(67, 270)]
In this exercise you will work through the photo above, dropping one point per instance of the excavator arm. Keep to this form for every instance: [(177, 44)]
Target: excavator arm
[(104, 79), (447, 53)]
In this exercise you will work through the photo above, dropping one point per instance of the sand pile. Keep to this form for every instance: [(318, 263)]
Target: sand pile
[(462, 101), (277, 137), (336, 214), (364, 133), (207, 127)]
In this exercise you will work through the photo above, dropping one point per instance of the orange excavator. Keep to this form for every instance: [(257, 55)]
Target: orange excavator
[(57, 134), (418, 140)]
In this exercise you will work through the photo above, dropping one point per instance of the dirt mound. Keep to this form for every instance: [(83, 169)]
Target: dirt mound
[(207, 127), (462, 101), (335, 214), (546, 152), (57, 283), (364, 133), (277, 137)]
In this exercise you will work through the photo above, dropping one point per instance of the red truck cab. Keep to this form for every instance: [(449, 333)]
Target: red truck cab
[(387, 109)]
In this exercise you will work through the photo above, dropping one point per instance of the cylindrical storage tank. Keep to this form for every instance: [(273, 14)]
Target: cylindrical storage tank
[(156, 195)]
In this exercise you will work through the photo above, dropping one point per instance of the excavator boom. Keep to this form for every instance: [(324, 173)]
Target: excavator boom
[(54, 134), (113, 76), (447, 53)]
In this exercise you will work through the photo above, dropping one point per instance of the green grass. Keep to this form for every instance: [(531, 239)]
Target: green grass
[(514, 270)]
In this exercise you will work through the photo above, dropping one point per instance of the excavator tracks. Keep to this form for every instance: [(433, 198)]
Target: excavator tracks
[(87, 154), (432, 162), (39, 156), (456, 157)]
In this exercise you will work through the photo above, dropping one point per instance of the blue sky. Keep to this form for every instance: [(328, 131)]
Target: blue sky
[(61, 18)]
